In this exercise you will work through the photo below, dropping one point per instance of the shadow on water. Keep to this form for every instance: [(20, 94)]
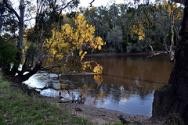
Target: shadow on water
[(127, 84)]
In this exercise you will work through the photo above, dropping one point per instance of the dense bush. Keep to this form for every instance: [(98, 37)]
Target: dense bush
[(7, 52)]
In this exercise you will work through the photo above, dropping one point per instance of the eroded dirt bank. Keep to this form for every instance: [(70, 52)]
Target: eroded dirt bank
[(101, 116)]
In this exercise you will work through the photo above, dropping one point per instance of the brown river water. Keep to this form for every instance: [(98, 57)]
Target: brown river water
[(127, 84)]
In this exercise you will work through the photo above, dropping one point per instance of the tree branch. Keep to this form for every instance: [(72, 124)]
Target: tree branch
[(29, 19), (91, 3), (62, 8), (11, 9), (179, 1)]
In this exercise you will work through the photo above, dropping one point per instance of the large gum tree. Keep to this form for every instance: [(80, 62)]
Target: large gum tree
[(20, 15), (47, 15), (172, 100)]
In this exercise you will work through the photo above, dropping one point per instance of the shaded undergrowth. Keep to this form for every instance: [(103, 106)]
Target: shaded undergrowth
[(17, 108)]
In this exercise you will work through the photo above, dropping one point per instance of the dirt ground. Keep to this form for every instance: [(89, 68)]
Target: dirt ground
[(101, 116)]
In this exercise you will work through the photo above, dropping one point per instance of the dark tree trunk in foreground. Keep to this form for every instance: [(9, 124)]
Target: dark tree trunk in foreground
[(173, 99), (18, 76), (14, 74)]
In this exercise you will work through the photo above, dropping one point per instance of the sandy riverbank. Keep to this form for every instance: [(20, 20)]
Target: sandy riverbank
[(101, 116)]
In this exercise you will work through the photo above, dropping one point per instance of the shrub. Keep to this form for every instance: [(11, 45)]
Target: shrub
[(7, 52)]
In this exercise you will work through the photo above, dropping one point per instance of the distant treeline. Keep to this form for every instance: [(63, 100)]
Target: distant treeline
[(147, 27)]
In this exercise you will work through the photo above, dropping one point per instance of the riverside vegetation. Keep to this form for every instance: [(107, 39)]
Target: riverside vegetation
[(58, 43), (16, 107)]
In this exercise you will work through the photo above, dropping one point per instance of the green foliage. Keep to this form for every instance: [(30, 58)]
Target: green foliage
[(115, 37), (150, 24), (118, 124), (7, 52), (18, 108)]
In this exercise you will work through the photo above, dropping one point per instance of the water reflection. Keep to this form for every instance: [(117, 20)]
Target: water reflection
[(156, 69), (127, 85)]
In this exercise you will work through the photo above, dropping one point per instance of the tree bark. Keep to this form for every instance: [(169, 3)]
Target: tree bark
[(21, 32), (172, 39), (174, 97), (21, 24), (18, 76)]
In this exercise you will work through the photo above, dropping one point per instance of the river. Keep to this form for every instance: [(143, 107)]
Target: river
[(127, 84)]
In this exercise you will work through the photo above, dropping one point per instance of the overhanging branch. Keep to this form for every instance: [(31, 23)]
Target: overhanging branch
[(9, 7), (91, 3), (62, 8)]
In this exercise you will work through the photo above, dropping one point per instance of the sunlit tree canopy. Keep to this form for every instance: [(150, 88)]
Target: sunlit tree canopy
[(72, 41)]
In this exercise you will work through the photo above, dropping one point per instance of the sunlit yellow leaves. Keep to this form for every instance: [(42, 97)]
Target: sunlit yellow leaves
[(82, 54), (98, 43), (84, 33), (172, 10), (86, 66), (138, 29), (80, 21), (56, 46), (98, 79), (67, 31), (98, 69), (92, 66), (169, 7), (75, 39)]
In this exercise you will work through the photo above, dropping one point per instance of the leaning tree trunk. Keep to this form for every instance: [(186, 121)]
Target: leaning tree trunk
[(171, 51), (21, 32), (173, 99)]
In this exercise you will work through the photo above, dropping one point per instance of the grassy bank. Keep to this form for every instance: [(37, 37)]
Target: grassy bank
[(17, 108)]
